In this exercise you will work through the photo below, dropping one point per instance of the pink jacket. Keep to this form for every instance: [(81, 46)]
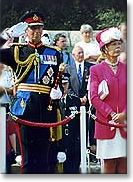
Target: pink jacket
[(115, 101)]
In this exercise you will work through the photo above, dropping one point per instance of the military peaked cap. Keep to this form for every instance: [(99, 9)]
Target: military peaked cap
[(33, 18), (65, 77)]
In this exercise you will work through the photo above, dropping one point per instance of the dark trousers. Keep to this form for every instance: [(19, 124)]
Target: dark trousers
[(40, 156), (72, 163), (10, 159)]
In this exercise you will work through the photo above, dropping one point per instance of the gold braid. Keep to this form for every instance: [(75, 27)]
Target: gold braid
[(27, 63), (22, 63)]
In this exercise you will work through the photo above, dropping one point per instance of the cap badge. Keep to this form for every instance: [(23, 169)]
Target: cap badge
[(35, 17)]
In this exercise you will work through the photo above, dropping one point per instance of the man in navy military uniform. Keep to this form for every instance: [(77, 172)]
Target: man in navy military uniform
[(36, 67), (70, 144)]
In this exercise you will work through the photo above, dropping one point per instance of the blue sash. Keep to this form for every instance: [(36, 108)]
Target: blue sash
[(46, 58)]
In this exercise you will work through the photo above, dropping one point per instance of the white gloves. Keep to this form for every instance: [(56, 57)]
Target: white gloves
[(18, 159), (15, 30), (4, 34), (61, 156), (18, 29), (55, 93), (8, 43)]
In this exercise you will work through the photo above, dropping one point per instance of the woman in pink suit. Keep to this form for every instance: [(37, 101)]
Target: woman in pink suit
[(111, 141)]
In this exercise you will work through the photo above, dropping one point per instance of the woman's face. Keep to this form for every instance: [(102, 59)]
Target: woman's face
[(86, 36), (113, 48)]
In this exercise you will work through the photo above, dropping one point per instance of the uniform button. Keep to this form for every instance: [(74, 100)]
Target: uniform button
[(77, 138), (66, 132)]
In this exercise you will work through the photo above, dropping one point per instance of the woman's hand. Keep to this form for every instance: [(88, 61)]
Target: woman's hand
[(119, 117)]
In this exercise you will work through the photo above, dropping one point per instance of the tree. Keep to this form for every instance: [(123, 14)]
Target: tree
[(109, 18), (66, 14)]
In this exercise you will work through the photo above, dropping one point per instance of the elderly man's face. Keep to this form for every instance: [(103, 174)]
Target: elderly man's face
[(78, 54), (34, 34)]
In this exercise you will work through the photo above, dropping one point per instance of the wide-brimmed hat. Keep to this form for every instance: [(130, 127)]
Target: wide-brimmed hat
[(108, 35)]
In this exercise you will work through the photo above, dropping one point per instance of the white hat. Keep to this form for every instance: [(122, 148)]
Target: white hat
[(106, 36)]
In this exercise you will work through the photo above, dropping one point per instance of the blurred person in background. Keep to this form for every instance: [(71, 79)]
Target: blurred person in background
[(70, 143), (60, 41), (123, 29), (79, 75), (88, 43)]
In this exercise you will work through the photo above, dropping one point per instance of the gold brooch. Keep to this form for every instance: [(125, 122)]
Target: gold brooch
[(46, 80), (50, 72), (22, 103)]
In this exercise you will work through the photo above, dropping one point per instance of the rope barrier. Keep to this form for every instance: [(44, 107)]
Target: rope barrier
[(43, 125), (65, 121), (35, 124), (115, 125)]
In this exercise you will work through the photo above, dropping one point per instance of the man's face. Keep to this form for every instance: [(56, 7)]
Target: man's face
[(79, 54), (61, 43), (65, 87), (1, 67), (34, 34)]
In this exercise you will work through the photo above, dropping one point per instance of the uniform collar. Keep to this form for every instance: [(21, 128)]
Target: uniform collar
[(35, 45)]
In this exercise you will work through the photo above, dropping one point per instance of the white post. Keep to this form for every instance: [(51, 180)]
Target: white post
[(2, 139), (83, 139)]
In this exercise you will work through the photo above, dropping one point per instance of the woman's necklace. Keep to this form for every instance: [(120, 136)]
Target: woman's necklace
[(113, 66)]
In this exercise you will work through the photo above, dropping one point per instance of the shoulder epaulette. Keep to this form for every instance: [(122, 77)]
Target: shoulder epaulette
[(57, 48), (53, 47), (19, 44)]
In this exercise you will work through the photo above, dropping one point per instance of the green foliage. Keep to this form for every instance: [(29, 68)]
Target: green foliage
[(109, 18), (66, 14)]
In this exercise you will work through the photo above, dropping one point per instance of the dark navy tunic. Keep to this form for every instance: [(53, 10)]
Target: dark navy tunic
[(33, 105)]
